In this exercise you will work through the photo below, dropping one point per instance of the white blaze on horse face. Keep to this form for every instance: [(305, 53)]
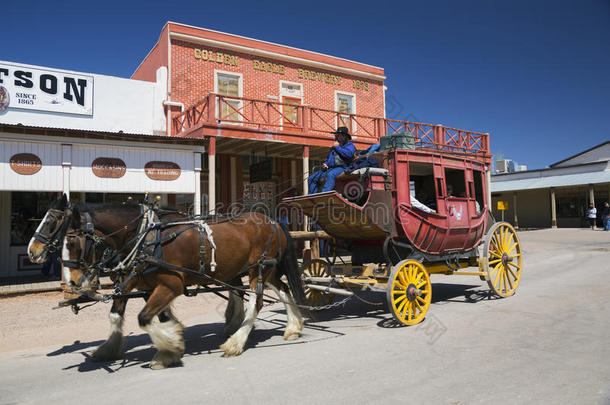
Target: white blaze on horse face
[(40, 225)]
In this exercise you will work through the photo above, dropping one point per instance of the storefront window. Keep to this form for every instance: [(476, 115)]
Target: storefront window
[(345, 104), (228, 85), (571, 207), (27, 210)]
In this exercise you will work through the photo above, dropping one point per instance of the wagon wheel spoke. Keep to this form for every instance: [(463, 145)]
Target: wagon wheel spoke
[(508, 281), (503, 259), (514, 265), (408, 293), (512, 274), (317, 268)]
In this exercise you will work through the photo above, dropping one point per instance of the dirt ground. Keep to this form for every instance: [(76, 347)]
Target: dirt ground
[(29, 321)]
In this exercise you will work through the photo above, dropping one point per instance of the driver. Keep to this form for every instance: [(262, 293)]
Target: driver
[(341, 154)]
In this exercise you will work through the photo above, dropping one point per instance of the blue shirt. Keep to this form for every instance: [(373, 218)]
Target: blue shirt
[(345, 152)]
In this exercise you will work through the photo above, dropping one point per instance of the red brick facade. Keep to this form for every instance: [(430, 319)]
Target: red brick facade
[(192, 77), (195, 54), (262, 65)]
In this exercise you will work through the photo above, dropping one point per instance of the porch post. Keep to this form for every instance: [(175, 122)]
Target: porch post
[(516, 220), (212, 175), (553, 209), (592, 201), (66, 165), (306, 188), (305, 169), (197, 196)]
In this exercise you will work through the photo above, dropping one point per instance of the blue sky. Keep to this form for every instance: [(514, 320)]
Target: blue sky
[(534, 74)]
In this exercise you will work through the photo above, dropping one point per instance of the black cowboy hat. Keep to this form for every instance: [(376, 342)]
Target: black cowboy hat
[(343, 131)]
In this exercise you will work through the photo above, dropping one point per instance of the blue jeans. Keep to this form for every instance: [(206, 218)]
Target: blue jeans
[(329, 184)]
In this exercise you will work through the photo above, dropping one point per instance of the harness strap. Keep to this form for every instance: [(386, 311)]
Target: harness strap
[(201, 249), (208, 231)]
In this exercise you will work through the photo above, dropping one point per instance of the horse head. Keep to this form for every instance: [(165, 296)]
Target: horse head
[(51, 231), (80, 251)]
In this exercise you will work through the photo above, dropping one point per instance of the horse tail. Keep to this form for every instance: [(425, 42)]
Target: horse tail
[(290, 267)]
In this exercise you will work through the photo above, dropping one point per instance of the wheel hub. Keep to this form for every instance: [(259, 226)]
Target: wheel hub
[(412, 292), (504, 259)]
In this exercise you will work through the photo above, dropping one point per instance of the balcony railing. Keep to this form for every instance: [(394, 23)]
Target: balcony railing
[(217, 111)]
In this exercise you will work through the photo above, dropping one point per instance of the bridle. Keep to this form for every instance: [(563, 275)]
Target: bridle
[(53, 240), (89, 243)]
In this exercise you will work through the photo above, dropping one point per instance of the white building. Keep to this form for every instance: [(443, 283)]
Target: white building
[(558, 196), (96, 138)]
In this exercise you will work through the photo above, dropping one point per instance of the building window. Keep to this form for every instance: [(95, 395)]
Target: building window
[(345, 103), (291, 94), (229, 85)]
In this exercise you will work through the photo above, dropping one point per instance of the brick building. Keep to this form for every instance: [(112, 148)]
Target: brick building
[(259, 106)]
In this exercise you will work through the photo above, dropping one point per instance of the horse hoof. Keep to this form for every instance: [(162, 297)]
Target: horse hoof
[(231, 348), (291, 335), (107, 353), (165, 359)]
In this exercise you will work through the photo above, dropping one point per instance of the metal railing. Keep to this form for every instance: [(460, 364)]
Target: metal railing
[(217, 111)]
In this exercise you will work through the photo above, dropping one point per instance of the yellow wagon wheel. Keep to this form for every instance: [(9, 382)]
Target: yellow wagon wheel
[(502, 259), (317, 268), (409, 292)]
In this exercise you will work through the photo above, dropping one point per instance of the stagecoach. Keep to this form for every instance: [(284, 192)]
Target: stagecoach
[(424, 210)]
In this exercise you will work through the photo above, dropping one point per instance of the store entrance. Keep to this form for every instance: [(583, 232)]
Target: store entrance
[(22, 213)]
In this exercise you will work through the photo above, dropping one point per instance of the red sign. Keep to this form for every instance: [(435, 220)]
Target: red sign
[(25, 163), (108, 168), (162, 170)]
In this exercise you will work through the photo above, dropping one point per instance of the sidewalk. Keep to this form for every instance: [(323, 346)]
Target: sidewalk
[(34, 284)]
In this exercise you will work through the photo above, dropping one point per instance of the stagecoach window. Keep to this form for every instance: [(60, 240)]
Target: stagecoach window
[(27, 210), (455, 182), (422, 183)]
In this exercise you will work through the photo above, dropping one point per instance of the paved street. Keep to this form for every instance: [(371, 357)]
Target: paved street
[(547, 344)]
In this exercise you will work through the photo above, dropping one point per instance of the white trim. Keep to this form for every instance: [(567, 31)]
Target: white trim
[(385, 88), (293, 84), (240, 91), (6, 136), (346, 93), (174, 104), (279, 56)]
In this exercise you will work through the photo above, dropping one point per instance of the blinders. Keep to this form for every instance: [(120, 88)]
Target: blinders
[(86, 240), (54, 228)]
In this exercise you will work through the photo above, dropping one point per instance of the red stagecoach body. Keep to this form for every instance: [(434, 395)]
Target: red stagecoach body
[(375, 204)]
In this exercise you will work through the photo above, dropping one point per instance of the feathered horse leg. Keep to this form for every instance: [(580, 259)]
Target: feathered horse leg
[(166, 336), (112, 348)]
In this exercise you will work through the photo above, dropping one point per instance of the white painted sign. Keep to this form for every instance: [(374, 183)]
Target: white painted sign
[(46, 90)]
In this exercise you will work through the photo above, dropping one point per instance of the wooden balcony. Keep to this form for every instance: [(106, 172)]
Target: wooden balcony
[(238, 117)]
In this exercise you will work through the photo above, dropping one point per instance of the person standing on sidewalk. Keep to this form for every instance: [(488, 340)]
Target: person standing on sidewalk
[(592, 215)]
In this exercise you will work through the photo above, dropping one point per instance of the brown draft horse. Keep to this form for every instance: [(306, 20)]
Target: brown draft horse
[(240, 243)]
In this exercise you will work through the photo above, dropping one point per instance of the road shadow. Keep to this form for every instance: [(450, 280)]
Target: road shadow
[(199, 340)]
